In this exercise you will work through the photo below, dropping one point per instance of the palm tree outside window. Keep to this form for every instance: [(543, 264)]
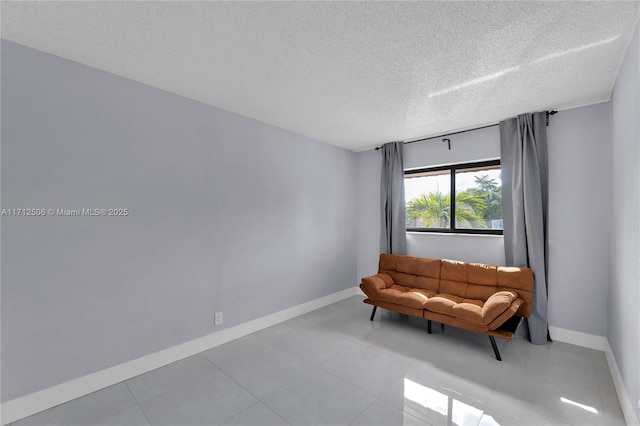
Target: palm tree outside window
[(473, 191)]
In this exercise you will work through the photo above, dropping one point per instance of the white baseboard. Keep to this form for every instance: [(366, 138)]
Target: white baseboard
[(600, 343), (36, 402), (626, 404), (578, 338)]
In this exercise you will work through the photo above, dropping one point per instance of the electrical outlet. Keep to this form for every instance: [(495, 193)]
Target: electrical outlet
[(218, 318)]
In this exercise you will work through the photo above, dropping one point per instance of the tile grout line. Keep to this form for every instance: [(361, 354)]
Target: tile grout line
[(139, 404), (195, 379), (268, 345), (258, 400), (132, 394), (362, 412)]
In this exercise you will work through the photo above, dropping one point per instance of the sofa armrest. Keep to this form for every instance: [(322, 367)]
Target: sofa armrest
[(372, 285), (503, 317), (497, 304)]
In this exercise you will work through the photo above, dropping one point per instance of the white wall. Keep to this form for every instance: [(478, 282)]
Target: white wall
[(623, 327), (225, 214), (578, 229)]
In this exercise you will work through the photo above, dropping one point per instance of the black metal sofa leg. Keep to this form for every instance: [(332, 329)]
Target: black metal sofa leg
[(429, 327), (373, 313), (495, 348)]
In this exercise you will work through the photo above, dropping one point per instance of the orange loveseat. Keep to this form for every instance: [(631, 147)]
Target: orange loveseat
[(481, 298)]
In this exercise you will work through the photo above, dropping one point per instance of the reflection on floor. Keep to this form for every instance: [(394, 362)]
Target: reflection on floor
[(333, 366)]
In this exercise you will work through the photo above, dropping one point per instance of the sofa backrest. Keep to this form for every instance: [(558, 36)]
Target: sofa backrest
[(468, 280), (415, 272), (479, 281)]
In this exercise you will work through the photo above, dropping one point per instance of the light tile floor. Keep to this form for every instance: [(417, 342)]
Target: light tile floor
[(333, 366)]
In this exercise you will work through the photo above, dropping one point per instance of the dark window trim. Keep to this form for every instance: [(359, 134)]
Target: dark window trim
[(452, 226)]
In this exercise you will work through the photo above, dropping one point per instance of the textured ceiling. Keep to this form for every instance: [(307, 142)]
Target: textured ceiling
[(354, 74)]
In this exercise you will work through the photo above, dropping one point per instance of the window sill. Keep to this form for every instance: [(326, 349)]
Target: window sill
[(459, 234)]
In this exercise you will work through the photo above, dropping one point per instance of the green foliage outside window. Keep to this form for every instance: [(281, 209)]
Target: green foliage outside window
[(477, 207)]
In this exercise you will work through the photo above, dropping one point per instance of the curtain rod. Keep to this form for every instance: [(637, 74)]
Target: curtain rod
[(462, 131)]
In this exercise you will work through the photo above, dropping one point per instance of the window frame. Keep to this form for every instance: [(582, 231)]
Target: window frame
[(452, 168)]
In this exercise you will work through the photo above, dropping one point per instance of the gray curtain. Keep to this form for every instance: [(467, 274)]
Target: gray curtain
[(393, 238), (525, 189)]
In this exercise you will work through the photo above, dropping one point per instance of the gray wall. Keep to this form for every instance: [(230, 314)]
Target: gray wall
[(623, 327), (226, 214), (579, 218), (369, 167), (578, 151)]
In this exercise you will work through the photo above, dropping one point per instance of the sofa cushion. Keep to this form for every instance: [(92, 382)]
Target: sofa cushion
[(469, 280), (479, 273), (388, 262), (448, 304), (497, 304), (514, 277), (418, 272), (468, 310), (417, 281), (388, 265), (442, 303), (411, 297), (453, 278), (423, 266)]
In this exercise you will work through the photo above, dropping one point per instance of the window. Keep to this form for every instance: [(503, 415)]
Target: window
[(473, 191)]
